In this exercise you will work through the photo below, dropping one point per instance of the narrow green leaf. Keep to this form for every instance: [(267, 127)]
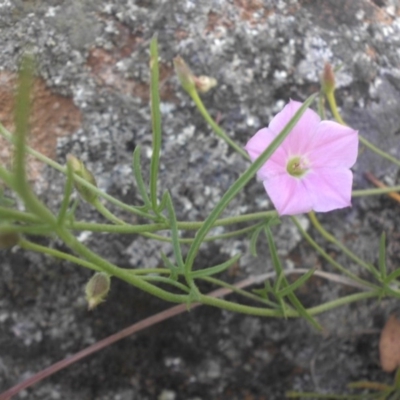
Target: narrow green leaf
[(216, 269), (156, 121), (281, 301), (391, 292), (70, 216), (253, 241), (241, 182), (374, 271), (397, 379), (279, 281), (280, 275), (174, 232), (168, 264), (298, 283), (291, 296), (9, 214), (163, 203), (392, 276), (62, 214), (22, 112), (137, 172), (382, 256), (5, 201)]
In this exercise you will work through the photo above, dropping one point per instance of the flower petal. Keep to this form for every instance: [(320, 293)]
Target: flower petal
[(276, 164), (299, 138), (329, 188), (333, 145), (288, 194), (259, 142)]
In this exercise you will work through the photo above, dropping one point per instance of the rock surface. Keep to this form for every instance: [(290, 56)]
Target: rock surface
[(92, 100)]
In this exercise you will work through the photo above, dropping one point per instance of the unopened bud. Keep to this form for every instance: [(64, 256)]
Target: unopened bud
[(185, 75), (97, 289), (78, 167), (328, 79), (205, 83), (8, 239)]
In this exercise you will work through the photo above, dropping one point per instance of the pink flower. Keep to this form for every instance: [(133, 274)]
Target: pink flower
[(311, 168)]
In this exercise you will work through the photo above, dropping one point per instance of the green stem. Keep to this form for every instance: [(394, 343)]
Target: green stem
[(332, 103), (236, 290), (106, 213), (291, 313), (207, 238), (373, 192), (167, 281), (328, 258), (184, 225), (15, 215), (218, 131), (342, 247), (28, 245)]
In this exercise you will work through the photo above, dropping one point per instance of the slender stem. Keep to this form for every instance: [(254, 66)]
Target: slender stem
[(67, 195), (381, 185), (106, 213), (264, 312), (242, 292), (327, 257), (374, 192), (184, 225), (168, 281), (332, 103), (15, 215), (216, 128), (378, 151), (207, 238), (342, 247), (28, 245)]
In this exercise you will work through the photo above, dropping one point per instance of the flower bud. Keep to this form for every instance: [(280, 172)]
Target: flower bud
[(185, 75), (8, 239), (97, 289), (205, 83), (79, 169), (328, 79)]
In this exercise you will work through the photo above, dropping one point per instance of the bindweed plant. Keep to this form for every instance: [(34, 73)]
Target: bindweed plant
[(303, 162)]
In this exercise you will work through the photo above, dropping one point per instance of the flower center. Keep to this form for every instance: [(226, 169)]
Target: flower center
[(297, 166)]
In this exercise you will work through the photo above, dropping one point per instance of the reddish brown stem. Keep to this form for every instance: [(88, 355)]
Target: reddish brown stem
[(380, 184)]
